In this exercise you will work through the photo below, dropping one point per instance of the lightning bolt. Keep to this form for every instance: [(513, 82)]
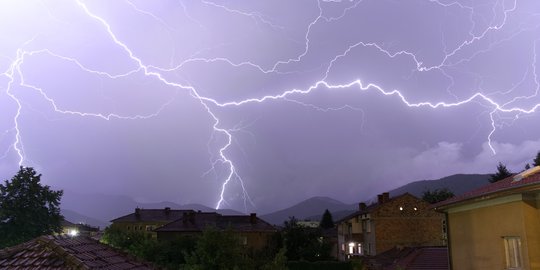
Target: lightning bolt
[(16, 76)]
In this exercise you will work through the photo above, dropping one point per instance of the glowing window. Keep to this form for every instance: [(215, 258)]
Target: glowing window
[(351, 248)]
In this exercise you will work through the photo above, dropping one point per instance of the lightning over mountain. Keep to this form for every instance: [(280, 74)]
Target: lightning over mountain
[(151, 99)]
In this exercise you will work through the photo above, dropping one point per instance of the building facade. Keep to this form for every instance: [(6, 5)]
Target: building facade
[(404, 220), (496, 226)]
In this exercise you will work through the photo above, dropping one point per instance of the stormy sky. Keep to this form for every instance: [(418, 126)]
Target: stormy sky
[(255, 105)]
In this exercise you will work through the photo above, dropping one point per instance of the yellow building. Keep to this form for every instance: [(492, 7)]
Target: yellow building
[(496, 226)]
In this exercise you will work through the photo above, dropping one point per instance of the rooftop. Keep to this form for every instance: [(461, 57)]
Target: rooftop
[(63, 252), (365, 209), (198, 221), (525, 181), (155, 215)]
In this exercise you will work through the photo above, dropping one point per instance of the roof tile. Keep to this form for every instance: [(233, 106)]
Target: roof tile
[(62, 252)]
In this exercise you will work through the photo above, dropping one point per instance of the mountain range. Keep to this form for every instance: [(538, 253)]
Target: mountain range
[(313, 208), (99, 209)]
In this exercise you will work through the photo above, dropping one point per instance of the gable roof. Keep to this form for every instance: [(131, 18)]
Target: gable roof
[(198, 221), (63, 252), (525, 181), (164, 215)]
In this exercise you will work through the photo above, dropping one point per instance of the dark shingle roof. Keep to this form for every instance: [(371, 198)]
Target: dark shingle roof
[(63, 252), (159, 215), (198, 221), (509, 185)]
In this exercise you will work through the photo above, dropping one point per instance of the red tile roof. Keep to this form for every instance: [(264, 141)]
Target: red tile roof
[(429, 258), (509, 185), (410, 258), (63, 252)]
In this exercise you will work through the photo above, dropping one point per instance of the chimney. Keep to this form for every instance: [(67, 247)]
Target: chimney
[(185, 217), (362, 206), (167, 211), (253, 218), (192, 217), (386, 196), (137, 212), (380, 199)]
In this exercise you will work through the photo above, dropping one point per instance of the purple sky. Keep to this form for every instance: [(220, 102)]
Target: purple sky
[(159, 100)]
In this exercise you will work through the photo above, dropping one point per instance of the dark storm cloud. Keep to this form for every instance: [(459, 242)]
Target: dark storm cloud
[(346, 143)]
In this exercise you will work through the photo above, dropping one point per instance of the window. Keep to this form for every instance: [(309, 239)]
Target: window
[(243, 240), (512, 250), (149, 227), (351, 248)]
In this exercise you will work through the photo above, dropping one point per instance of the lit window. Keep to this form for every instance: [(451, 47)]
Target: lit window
[(351, 248), (512, 250)]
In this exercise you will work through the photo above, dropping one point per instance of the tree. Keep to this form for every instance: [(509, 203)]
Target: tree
[(437, 195), (27, 208), (527, 166), (217, 249), (278, 263), (169, 254), (502, 173), (536, 161), (303, 243), (327, 222)]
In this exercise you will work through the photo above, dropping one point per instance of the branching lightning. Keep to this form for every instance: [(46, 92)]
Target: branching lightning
[(15, 75)]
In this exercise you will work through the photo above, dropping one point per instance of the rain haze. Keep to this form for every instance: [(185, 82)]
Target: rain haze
[(256, 105)]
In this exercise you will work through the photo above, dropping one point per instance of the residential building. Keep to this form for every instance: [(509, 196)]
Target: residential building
[(496, 226), (75, 229), (146, 220), (402, 221), (65, 252), (252, 231)]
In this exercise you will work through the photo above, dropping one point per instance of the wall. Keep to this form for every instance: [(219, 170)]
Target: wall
[(476, 233), (406, 221)]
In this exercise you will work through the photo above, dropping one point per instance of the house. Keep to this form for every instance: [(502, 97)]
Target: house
[(75, 229), (65, 252), (402, 221), (252, 231), (146, 220), (496, 226)]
